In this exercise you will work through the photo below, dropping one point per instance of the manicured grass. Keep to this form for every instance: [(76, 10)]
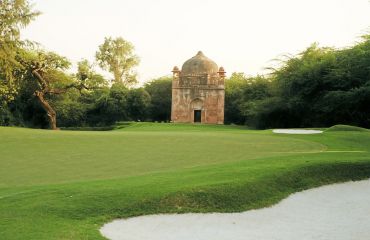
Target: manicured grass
[(347, 128), (39, 157), (66, 184)]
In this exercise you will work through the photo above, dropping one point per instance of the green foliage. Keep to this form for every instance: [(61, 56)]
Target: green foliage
[(87, 76), (111, 105), (72, 106), (234, 98), (118, 57), (14, 15), (71, 111), (118, 104), (70, 183), (319, 87), (138, 101), (243, 96), (160, 91), (6, 117), (323, 87), (51, 65)]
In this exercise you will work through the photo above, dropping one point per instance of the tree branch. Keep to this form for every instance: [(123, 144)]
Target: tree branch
[(44, 84)]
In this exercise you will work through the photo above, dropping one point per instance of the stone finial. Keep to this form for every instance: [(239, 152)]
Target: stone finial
[(221, 72), (200, 53), (175, 69)]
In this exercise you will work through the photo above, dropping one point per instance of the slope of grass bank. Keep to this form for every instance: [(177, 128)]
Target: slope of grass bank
[(65, 185), (346, 128)]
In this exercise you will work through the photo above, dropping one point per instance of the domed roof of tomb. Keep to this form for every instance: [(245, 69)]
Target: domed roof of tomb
[(199, 64)]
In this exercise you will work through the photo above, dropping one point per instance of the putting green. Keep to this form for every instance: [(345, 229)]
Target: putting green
[(66, 184), (44, 157)]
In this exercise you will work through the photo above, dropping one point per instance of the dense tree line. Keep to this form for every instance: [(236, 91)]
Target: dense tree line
[(37, 91), (102, 106), (318, 87)]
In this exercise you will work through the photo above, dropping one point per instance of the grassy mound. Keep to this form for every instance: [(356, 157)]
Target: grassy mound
[(66, 184), (337, 128)]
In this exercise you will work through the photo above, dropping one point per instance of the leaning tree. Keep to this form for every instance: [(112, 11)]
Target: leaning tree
[(47, 70)]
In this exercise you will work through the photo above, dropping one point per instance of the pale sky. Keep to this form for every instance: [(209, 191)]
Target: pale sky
[(240, 35)]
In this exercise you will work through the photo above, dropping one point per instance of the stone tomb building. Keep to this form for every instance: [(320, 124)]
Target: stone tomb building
[(198, 92)]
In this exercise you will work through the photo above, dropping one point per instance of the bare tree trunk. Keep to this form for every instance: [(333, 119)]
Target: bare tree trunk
[(49, 110)]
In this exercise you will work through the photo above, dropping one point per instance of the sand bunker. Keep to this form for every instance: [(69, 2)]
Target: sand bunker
[(296, 131), (339, 211)]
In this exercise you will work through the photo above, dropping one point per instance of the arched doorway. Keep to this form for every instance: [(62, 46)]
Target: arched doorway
[(197, 116), (196, 110)]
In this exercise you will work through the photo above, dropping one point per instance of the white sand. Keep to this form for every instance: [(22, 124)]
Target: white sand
[(296, 131), (334, 212)]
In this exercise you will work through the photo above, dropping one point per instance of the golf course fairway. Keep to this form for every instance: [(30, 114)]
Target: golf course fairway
[(67, 184)]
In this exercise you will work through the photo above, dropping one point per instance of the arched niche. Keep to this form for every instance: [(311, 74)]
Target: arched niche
[(197, 104), (197, 113)]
